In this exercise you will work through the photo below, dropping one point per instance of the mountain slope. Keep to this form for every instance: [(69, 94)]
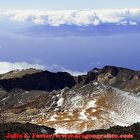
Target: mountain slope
[(102, 98)]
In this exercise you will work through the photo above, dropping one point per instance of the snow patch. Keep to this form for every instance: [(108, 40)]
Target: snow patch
[(128, 109), (44, 131), (65, 131), (95, 83), (60, 102), (91, 104), (4, 99), (52, 119), (83, 116), (77, 101)]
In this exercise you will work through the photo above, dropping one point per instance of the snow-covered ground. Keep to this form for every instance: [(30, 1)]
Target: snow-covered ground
[(106, 109), (88, 108)]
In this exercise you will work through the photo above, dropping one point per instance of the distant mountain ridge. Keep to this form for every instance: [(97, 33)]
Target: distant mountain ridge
[(82, 31), (31, 79)]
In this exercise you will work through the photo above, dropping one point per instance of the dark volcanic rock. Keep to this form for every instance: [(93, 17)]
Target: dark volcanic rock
[(133, 129), (19, 128), (122, 78), (111, 69), (44, 80)]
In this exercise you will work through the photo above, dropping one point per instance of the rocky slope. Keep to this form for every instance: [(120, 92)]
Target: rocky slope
[(102, 98), (122, 78)]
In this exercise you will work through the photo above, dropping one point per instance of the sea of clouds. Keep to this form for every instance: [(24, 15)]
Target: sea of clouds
[(9, 66), (74, 17)]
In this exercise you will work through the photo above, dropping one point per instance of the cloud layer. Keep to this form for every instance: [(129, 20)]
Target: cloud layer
[(9, 66), (57, 68), (74, 17)]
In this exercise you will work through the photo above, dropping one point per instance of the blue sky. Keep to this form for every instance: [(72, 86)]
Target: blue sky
[(68, 4)]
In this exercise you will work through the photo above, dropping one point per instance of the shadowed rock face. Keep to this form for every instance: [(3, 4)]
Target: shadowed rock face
[(43, 80), (20, 128)]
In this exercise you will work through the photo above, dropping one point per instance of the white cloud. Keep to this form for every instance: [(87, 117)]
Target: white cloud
[(9, 66), (76, 17), (57, 68)]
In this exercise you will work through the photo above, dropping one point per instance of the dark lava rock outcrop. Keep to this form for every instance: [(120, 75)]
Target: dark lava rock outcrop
[(18, 128), (43, 80)]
